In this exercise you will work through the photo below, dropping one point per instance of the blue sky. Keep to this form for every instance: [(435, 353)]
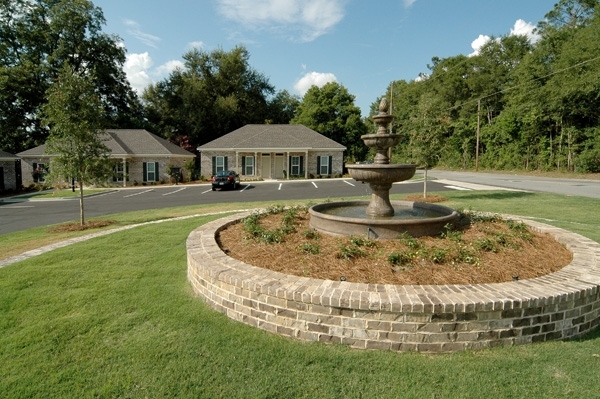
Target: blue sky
[(361, 44)]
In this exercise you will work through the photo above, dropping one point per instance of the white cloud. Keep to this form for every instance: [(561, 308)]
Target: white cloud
[(305, 19), (478, 43), (139, 71), (167, 68), (135, 31), (408, 3), (197, 44), (136, 68), (520, 28), (527, 29), (313, 79)]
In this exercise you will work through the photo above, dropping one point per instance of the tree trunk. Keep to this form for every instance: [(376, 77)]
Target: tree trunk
[(425, 184), (81, 213)]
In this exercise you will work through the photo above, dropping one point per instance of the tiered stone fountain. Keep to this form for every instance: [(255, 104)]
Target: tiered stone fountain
[(380, 217)]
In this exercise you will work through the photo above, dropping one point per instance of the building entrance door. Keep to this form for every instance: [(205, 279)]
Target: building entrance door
[(279, 166), (265, 169)]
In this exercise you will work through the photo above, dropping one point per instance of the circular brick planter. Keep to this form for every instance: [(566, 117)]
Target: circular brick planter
[(441, 318)]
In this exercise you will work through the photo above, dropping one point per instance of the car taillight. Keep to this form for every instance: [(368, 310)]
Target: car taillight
[(213, 179), (230, 178)]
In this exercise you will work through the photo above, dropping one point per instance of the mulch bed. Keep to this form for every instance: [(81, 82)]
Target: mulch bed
[(477, 253)]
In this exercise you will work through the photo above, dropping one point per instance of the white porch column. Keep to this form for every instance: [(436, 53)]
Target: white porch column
[(124, 172), (237, 162), (256, 163), (289, 167), (306, 165)]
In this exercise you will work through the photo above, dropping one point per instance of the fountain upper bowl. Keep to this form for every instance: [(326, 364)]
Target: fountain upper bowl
[(378, 173)]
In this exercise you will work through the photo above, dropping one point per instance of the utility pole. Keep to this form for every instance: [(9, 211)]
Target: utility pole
[(477, 141)]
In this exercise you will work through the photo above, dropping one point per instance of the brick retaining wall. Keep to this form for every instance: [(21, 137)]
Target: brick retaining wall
[(442, 318)]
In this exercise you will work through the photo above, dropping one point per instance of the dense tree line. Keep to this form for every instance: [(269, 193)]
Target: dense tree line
[(535, 106)]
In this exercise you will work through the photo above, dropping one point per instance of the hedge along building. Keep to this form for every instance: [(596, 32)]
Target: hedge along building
[(139, 157), (273, 152)]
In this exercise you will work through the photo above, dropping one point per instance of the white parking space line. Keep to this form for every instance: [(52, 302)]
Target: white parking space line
[(176, 191), (279, 188), (347, 182), (459, 188), (105, 194), (141, 192), (245, 187), (17, 206), (206, 191), (315, 184)]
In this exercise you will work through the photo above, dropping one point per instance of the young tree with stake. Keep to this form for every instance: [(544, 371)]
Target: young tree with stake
[(74, 114)]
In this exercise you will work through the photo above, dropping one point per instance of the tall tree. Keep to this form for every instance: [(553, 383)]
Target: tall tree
[(36, 38), (74, 113), (213, 94), (330, 110)]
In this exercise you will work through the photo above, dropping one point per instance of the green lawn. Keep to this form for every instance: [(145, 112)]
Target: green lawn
[(115, 317)]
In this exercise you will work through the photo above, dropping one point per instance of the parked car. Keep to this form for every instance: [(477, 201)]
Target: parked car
[(225, 179)]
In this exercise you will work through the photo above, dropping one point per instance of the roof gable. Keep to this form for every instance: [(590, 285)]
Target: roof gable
[(261, 137)]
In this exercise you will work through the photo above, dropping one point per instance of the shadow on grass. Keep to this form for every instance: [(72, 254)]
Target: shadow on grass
[(591, 336), (493, 195)]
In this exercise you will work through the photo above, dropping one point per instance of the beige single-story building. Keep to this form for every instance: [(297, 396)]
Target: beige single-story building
[(273, 152), (140, 157)]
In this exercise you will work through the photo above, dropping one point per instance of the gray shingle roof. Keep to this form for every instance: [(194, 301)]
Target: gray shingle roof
[(129, 142), (263, 137), (7, 155)]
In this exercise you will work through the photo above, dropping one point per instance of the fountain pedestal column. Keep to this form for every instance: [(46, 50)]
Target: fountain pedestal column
[(380, 205)]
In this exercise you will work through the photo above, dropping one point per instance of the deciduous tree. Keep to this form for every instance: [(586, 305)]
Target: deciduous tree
[(330, 110), (36, 38), (74, 114)]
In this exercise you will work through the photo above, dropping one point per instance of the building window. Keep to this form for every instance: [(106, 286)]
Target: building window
[(248, 165), (324, 165), (151, 171), (219, 163), (295, 166), (119, 173), (39, 172)]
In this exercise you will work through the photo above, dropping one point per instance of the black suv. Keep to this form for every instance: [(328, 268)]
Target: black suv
[(225, 179)]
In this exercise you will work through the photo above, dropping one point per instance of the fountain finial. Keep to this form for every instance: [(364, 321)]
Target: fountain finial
[(383, 106)]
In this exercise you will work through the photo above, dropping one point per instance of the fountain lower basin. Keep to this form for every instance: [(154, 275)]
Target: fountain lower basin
[(349, 218)]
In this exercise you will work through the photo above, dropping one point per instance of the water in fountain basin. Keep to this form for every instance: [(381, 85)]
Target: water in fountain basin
[(401, 213)]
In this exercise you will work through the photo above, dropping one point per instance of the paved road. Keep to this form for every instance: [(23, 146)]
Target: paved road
[(580, 187), (17, 216)]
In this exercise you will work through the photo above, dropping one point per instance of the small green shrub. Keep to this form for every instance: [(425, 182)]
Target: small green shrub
[(400, 258), (350, 251), (309, 248), (311, 234), (465, 255), (485, 244), (449, 232), (408, 240), (520, 230), (362, 242), (438, 255)]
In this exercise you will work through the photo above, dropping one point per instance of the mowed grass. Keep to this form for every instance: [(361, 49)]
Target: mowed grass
[(115, 317)]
